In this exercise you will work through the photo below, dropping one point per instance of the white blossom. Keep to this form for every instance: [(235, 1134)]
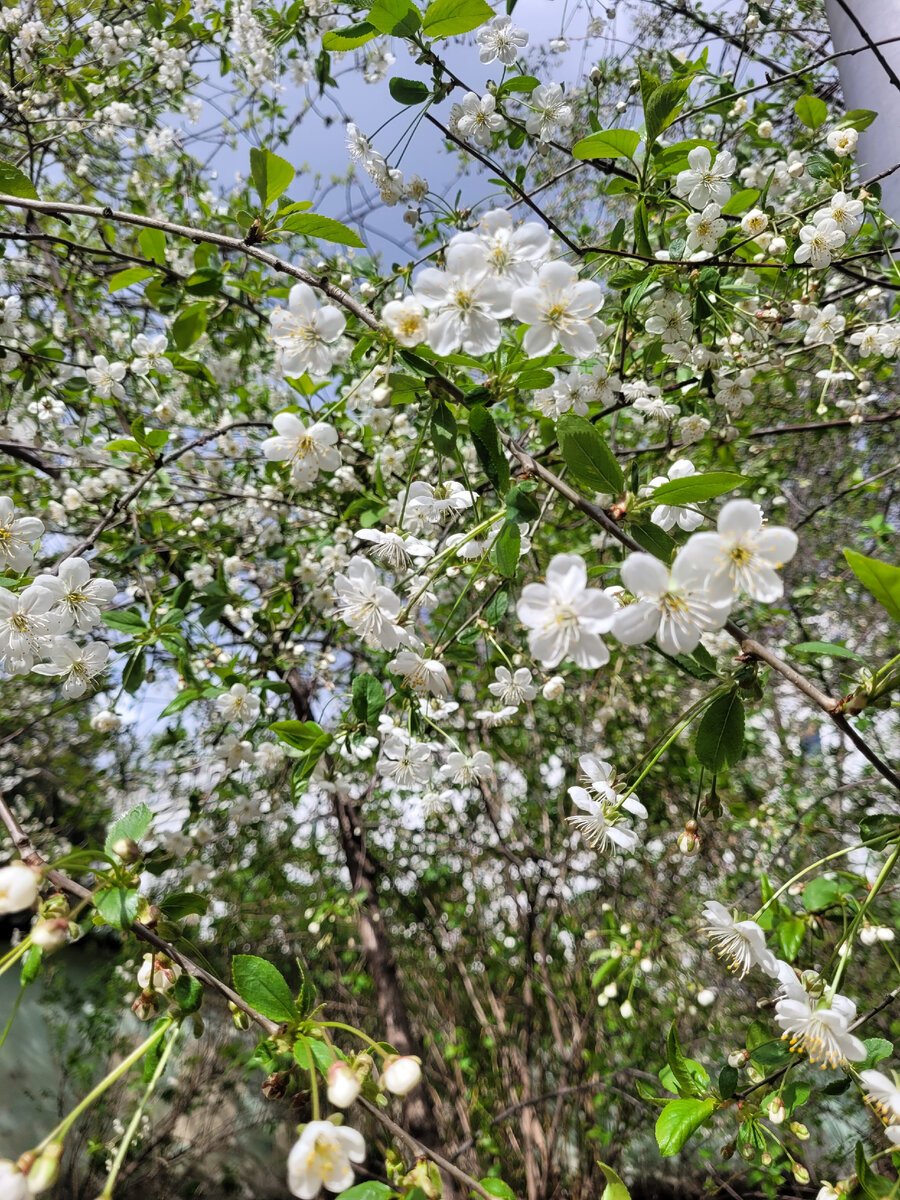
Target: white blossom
[(323, 1157), (19, 887), (818, 242), (742, 555), (565, 616), (500, 40), (706, 181), (77, 665), (673, 606), (479, 118), (238, 704), (305, 333), (367, 606), (76, 594), (17, 536), (741, 943), (308, 449), (558, 308), (464, 302)]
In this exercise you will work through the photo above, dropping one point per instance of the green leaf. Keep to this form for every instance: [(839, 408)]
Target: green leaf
[(394, 16), (271, 175), (188, 993), (124, 619), (521, 507), (821, 893), (790, 936), (133, 824), (446, 18), (877, 1049), (368, 698), (497, 607), (615, 1189), (443, 429), (408, 91), (830, 648), (498, 1188), (507, 548), (14, 182), (128, 278), (189, 325), (880, 830), (653, 539), (123, 446), (31, 968), (880, 578), (857, 118), (608, 143), (590, 461), (349, 37), (518, 83), (117, 906), (741, 201), (326, 229), (720, 737), (662, 107), (695, 488), (679, 1120), (370, 1189), (153, 245), (299, 735), (728, 1081), (812, 111), (873, 1186), (487, 445), (183, 904), (263, 987), (671, 159), (134, 673), (690, 1076)]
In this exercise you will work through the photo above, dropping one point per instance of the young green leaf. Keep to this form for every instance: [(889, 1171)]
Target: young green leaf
[(263, 987), (117, 906), (326, 229), (367, 698), (487, 445), (408, 91), (350, 37), (812, 111), (507, 548), (272, 175), (608, 143), (615, 1189), (591, 463), (447, 18), (679, 1120), (14, 182), (720, 737), (299, 735), (133, 824), (695, 488), (880, 578)]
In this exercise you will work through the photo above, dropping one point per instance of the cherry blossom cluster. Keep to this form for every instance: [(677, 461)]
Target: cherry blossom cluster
[(35, 620)]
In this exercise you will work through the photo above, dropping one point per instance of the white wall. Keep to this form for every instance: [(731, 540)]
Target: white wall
[(866, 85)]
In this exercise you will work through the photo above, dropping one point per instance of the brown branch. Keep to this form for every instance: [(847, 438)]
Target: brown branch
[(422, 1151), (321, 283)]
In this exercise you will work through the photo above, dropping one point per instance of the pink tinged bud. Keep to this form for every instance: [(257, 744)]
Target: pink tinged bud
[(50, 935), (343, 1085), (145, 1006), (401, 1074), (800, 1172), (19, 887), (689, 844), (776, 1110), (738, 1059)]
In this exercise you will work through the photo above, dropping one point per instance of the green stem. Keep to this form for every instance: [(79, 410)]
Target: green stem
[(806, 870), (122, 1069), (356, 1033), (879, 883), (129, 1133)]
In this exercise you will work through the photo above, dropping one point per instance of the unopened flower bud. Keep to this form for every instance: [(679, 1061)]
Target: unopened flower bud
[(240, 1018), (800, 1172), (754, 1075), (765, 129), (45, 1171), (19, 887), (748, 1152), (799, 1131), (738, 1059), (766, 1158), (50, 935), (401, 1073), (343, 1085), (127, 849), (553, 688), (727, 1151), (688, 843), (706, 997), (776, 1110)]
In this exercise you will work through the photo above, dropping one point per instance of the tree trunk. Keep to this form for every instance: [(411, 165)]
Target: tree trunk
[(419, 1115)]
